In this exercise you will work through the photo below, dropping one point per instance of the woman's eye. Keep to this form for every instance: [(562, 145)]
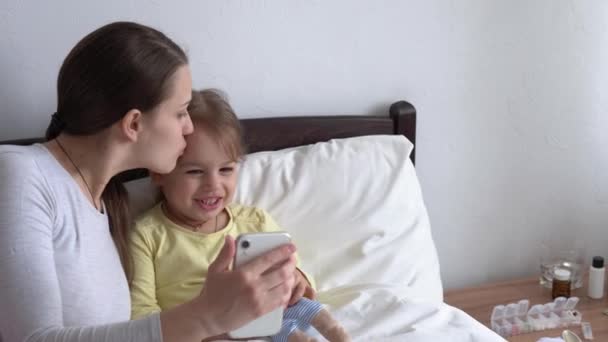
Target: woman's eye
[(182, 115)]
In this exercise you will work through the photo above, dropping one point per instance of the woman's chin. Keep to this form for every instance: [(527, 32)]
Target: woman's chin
[(163, 169)]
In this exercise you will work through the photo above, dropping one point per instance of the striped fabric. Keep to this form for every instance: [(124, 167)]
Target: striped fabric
[(299, 317)]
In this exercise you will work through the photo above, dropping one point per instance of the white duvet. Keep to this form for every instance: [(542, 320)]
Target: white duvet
[(382, 313)]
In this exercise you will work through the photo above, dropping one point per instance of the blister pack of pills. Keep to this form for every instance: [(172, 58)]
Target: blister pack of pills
[(519, 318)]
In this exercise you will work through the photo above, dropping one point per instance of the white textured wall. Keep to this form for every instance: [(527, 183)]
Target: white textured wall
[(510, 94)]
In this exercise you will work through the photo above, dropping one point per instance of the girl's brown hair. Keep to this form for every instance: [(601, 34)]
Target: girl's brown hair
[(116, 68), (211, 109)]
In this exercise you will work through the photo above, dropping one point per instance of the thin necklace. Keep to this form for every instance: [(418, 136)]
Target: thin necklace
[(80, 173), (196, 229), (215, 229)]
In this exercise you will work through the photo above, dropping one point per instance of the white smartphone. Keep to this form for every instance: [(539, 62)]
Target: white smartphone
[(248, 247)]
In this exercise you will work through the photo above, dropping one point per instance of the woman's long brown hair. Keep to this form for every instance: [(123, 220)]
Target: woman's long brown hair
[(116, 68)]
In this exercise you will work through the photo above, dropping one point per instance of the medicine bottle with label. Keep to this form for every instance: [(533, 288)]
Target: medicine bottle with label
[(561, 283)]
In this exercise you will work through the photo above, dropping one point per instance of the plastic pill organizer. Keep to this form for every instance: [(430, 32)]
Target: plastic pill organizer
[(515, 318)]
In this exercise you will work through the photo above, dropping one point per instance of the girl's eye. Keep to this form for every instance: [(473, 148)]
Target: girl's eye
[(226, 170), (182, 115), (194, 172)]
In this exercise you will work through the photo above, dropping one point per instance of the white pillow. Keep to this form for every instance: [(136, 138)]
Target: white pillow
[(143, 195), (354, 208)]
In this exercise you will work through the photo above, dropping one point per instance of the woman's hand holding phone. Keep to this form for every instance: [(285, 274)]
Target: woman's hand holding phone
[(238, 296)]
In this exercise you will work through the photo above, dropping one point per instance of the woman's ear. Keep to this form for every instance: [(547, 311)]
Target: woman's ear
[(131, 124)]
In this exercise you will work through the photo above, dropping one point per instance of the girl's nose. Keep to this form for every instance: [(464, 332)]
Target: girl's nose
[(211, 181)]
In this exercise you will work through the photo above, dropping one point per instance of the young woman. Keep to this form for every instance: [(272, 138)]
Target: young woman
[(122, 94)]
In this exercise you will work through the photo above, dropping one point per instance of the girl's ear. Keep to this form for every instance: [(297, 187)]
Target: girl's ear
[(131, 124)]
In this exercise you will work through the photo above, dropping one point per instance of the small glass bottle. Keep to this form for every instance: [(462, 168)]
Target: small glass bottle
[(561, 283)]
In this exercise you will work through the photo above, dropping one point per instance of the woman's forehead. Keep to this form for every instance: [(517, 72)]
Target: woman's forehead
[(180, 92)]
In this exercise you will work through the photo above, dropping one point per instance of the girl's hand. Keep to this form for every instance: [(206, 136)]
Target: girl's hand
[(301, 288)]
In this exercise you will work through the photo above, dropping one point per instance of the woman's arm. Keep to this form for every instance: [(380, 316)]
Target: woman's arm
[(31, 306)]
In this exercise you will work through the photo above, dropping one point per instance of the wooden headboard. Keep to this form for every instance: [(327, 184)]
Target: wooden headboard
[(271, 134)]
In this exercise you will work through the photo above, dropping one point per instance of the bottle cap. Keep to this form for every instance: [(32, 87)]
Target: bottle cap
[(561, 274), (598, 262)]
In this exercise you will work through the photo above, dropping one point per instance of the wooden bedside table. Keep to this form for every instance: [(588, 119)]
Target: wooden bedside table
[(479, 302)]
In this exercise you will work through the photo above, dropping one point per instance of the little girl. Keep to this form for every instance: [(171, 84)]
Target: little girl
[(174, 243)]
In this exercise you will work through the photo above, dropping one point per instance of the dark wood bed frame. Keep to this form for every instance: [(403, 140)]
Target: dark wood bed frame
[(271, 134)]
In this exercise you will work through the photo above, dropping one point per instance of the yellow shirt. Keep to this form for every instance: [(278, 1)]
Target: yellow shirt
[(171, 262)]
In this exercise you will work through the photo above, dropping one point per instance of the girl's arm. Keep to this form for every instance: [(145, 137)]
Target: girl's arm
[(143, 284)]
